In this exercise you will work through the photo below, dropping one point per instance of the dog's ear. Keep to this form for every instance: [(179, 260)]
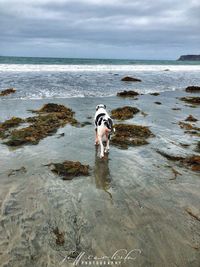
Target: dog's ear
[(100, 106)]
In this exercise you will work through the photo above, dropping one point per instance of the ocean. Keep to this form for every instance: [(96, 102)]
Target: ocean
[(41, 78)]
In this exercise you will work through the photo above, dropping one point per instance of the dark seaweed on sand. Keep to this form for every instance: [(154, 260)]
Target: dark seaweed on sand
[(49, 118), (70, 169), (124, 113), (130, 135)]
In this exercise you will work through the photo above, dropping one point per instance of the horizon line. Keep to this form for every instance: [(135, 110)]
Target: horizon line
[(88, 58)]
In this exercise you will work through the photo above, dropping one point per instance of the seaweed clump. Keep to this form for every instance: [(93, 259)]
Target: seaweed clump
[(193, 89), (191, 118), (190, 129), (198, 147), (128, 93), (70, 169), (50, 117), (191, 100), (13, 122), (130, 135), (52, 107), (7, 92), (130, 79), (192, 162), (8, 124), (124, 113), (155, 94), (60, 236)]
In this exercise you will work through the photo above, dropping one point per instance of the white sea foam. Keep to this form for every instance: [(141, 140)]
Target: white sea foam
[(66, 81), (93, 68)]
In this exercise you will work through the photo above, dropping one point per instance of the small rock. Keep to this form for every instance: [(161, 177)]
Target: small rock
[(127, 94), (130, 79), (158, 103), (193, 89), (176, 108), (154, 94)]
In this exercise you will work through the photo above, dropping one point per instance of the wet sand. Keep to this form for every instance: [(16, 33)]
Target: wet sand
[(131, 200)]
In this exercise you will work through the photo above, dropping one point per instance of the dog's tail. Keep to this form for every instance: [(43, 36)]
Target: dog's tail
[(111, 124), (110, 127)]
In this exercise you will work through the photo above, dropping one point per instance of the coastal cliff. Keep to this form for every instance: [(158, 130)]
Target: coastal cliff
[(189, 58)]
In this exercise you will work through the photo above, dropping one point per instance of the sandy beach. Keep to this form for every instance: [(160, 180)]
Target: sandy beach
[(135, 200), (75, 72)]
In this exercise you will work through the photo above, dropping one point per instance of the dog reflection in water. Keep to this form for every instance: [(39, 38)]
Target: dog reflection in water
[(102, 173)]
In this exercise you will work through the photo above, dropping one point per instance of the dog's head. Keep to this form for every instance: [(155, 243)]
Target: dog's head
[(100, 106)]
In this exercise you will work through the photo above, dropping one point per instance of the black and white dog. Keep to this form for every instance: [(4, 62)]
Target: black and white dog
[(103, 128)]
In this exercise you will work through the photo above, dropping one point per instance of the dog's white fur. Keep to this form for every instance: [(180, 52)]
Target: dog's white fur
[(102, 131)]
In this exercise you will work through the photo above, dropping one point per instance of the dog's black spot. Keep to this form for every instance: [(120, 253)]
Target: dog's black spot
[(100, 121), (100, 115)]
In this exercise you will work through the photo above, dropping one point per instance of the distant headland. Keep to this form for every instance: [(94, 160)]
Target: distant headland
[(189, 58)]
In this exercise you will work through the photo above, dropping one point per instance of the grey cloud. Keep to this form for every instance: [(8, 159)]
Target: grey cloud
[(138, 27)]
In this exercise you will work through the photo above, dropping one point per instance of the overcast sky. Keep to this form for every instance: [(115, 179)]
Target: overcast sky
[(133, 29)]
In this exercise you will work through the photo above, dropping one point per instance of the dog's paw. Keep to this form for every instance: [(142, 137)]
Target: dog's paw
[(96, 144), (101, 156), (106, 151)]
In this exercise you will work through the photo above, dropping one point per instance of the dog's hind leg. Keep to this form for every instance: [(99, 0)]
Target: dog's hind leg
[(102, 148), (96, 138), (107, 143), (100, 139)]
